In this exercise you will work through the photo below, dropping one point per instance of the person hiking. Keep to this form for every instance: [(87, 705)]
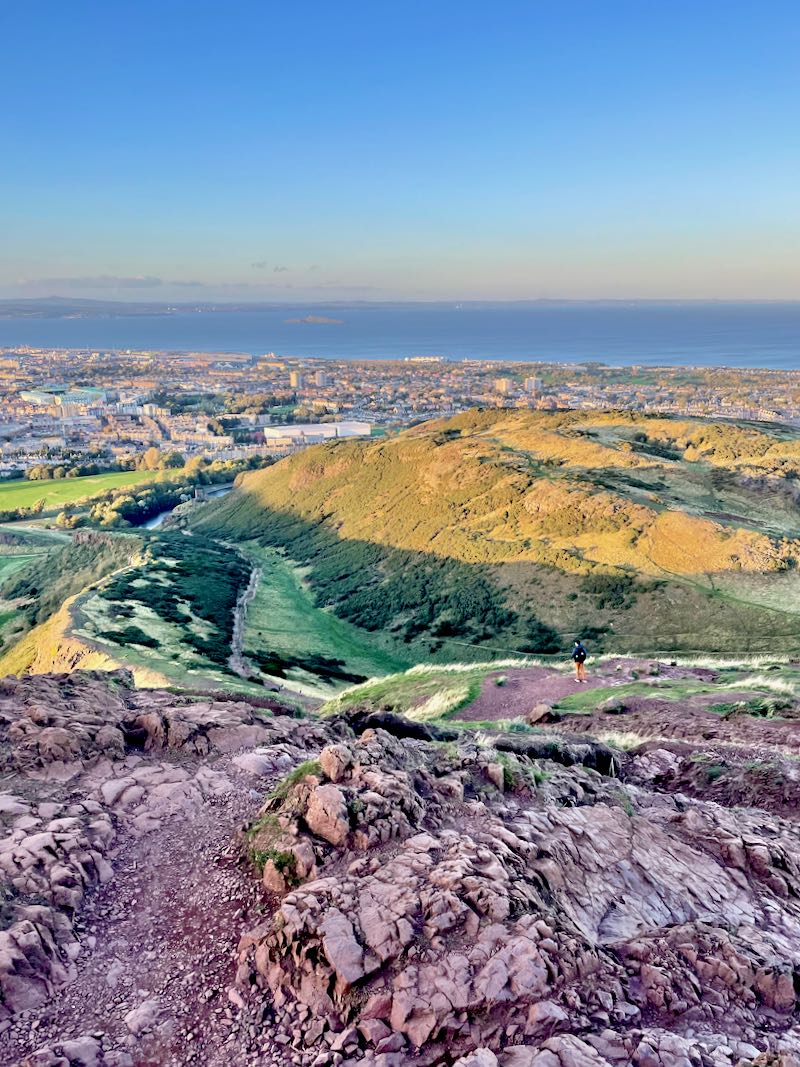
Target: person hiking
[(579, 655)]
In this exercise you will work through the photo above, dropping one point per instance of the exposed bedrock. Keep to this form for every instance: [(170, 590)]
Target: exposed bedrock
[(441, 899)]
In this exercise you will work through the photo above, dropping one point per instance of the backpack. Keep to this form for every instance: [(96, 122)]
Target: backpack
[(579, 655)]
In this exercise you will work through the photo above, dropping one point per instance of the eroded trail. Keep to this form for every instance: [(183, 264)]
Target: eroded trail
[(162, 937), (124, 875), (238, 662)]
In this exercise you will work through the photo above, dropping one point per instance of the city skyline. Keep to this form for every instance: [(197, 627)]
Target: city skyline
[(571, 151)]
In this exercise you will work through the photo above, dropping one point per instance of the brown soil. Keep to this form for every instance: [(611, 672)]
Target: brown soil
[(166, 927), (524, 687), (522, 690)]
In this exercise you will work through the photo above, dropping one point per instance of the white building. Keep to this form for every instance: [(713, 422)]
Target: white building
[(307, 433)]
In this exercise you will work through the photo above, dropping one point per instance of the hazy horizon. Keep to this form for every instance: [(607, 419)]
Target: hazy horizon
[(454, 302)]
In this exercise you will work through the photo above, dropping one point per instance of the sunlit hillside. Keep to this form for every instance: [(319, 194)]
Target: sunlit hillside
[(517, 524)]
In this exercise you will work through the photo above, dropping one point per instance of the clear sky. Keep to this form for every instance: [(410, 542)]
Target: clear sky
[(421, 149)]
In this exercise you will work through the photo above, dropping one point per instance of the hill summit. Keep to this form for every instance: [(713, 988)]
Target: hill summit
[(526, 528)]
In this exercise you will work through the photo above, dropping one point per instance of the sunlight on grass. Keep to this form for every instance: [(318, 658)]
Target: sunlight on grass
[(622, 739), (762, 681)]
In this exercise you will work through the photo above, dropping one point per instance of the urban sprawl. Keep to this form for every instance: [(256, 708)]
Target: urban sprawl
[(64, 411)]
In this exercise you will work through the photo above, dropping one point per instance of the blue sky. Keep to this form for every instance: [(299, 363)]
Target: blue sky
[(188, 150)]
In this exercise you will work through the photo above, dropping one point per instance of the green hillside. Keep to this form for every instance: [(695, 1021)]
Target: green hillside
[(509, 531)]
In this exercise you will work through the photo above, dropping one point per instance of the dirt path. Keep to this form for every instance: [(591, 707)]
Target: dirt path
[(522, 689), (238, 662), (165, 931)]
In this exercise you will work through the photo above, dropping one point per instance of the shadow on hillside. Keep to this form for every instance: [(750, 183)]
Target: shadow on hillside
[(464, 611)]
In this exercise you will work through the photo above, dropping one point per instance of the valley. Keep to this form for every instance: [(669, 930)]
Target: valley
[(494, 534), (642, 534)]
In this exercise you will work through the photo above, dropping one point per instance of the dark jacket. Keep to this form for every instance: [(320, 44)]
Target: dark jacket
[(579, 654)]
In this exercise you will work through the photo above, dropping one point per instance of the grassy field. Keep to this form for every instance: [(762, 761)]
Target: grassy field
[(11, 564), (283, 619), (20, 493)]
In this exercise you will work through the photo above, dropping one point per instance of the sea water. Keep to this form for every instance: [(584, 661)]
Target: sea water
[(724, 334)]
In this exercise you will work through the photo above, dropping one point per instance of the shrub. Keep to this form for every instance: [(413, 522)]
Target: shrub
[(539, 637), (131, 635), (281, 790), (610, 590)]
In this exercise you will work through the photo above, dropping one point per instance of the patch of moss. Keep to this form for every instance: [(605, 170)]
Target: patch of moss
[(625, 802), (715, 771), (283, 862), (281, 790)]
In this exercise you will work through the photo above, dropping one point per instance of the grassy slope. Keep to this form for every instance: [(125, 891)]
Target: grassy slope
[(50, 646), (170, 663), (545, 499), (181, 590), (68, 633), (20, 493), (512, 486), (282, 618), (30, 550), (11, 564)]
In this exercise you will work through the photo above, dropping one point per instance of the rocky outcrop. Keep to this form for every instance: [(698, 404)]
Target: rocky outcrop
[(732, 777), (58, 724), (536, 899), (89, 763), (441, 899), (640, 1048)]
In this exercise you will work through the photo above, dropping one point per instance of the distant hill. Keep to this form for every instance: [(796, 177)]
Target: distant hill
[(519, 529)]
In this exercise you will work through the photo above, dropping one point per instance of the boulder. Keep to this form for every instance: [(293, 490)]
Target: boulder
[(542, 713), (144, 1017), (326, 814)]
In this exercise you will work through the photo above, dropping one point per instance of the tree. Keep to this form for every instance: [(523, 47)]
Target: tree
[(39, 473), (150, 460), (174, 460)]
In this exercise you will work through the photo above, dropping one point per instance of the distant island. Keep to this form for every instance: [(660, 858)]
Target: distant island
[(314, 320)]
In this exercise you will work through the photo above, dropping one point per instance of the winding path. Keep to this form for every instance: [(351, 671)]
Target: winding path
[(238, 662)]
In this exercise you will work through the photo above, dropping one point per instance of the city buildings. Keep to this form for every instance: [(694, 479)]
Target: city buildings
[(68, 406)]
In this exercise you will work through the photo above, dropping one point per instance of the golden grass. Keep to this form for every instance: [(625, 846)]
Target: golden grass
[(484, 496), (763, 681)]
